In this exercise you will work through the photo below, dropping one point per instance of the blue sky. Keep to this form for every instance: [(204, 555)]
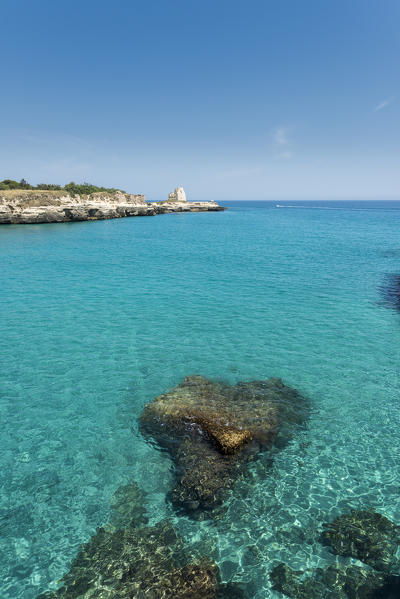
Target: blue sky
[(239, 100)]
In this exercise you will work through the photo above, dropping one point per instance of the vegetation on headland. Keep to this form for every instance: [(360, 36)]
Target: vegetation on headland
[(71, 188)]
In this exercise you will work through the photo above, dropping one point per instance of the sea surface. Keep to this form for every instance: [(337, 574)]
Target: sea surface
[(98, 318)]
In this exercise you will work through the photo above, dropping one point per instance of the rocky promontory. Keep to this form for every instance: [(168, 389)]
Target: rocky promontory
[(20, 206)]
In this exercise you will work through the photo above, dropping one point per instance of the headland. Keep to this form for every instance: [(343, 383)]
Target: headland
[(30, 206)]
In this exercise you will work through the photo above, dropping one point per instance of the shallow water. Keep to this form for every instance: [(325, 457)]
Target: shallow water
[(98, 318)]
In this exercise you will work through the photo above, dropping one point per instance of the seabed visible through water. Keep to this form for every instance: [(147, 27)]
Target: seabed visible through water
[(98, 319)]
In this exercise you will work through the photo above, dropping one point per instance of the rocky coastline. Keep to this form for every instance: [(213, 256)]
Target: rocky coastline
[(27, 207)]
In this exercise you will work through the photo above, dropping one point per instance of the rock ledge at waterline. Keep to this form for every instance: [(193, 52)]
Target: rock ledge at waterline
[(37, 206)]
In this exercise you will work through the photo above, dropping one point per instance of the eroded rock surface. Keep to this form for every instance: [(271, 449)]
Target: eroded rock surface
[(364, 535), (141, 563), (126, 560), (168, 207), (39, 206), (348, 582), (128, 507), (212, 430)]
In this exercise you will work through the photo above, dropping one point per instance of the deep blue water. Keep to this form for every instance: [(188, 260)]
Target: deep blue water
[(98, 318)]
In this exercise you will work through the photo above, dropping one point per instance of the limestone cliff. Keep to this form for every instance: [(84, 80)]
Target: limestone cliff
[(37, 206), (33, 206)]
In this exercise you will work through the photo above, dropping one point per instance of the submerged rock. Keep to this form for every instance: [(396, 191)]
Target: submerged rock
[(126, 560), (290, 582), (140, 563), (349, 582), (230, 590), (212, 430), (128, 507), (364, 535), (390, 291)]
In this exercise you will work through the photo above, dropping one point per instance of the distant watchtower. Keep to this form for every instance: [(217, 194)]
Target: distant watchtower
[(178, 195)]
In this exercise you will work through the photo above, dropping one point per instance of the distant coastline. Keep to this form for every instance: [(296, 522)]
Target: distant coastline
[(34, 205)]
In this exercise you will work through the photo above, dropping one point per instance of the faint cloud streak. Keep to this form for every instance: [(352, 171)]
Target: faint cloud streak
[(282, 144), (383, 104), (280, 136), (284, 155)]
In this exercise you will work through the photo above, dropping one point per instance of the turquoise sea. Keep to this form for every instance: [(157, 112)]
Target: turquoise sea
[(98, 318)]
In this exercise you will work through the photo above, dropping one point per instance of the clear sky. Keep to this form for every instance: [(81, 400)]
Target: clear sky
[(249, 99)]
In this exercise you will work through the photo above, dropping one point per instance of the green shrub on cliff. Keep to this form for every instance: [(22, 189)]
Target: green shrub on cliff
[(72, 188), (87, 188), (11, 184), (48, 186)]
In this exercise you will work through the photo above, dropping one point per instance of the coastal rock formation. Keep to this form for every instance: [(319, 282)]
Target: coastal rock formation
[(128, 508), (126, 561), (347, 582), (212, 430), (34, 206), (144, 562), (37, 206), (364, 535), (172, 206)]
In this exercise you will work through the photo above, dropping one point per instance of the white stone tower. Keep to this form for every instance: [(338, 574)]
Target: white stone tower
[(178, 195)]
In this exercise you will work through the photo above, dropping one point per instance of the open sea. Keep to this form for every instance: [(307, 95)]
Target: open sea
[(98, 318)]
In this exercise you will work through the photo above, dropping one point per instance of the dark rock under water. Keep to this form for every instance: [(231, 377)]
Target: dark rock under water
[(128, 507), (139, 562), (390, 291), (347, 582), (365, 535), (213, 430), (361, 534)]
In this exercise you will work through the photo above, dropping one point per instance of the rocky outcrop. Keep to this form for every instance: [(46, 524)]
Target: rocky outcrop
[(31, 206), (335, 582), (128, 508), (170, 206), (212, 430), (366, 536), (37, 206), (126, 560), (143, 562), (390, 291)]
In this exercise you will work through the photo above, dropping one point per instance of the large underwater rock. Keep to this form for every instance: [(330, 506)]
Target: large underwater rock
[(390, 291), (212, 430), (347, 582), (364, 535), (144, 562), (139, 562), (128, 507)]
